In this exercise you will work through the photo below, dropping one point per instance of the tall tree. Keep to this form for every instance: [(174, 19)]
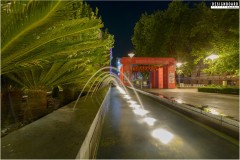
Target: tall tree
[(190, 35)]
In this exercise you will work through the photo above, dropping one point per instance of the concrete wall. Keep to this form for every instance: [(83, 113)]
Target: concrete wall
[(90, 144)]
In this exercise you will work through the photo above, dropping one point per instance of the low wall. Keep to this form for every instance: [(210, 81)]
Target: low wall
[(90, 144)]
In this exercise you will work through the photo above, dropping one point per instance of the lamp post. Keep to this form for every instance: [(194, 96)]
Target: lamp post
[(213, 57), (178, 66), (131, 55)]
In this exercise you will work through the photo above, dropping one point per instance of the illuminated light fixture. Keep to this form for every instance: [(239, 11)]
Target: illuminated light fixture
[(131, 55), (212, 57), (213, 111), (162, 135), (140, 112), (178, 64), (127, 97), (149, 121), (121, 90), (134, 106), (179, 101), (132, 102)]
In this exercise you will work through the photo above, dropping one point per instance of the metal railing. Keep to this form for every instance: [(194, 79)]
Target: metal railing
[(191, 85)]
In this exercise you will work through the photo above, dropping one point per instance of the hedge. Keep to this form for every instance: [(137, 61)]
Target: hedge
[(223, 90)]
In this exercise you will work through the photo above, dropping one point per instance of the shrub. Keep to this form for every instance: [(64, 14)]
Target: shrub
[(218, 89)]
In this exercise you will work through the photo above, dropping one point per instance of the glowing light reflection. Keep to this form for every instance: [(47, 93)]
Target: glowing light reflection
[(127, 97), (162, 135), (149, 121), (134, 106), (132, 102), (140, 112), (179, 101), (121, 90), (213, 111)]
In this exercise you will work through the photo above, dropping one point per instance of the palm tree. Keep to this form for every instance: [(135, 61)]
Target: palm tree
[(51, 43), (31, 29)]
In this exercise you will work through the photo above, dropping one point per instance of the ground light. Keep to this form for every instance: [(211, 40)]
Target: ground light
[(213, 111), (140, 112), (121, 90), (150, 121), (162, 135), (132, 102), (179, 101), (127, 97), (134, 106)]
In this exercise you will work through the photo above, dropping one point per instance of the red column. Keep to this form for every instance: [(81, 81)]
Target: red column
[(121, 74), (160, 78), (171, 76), (153, 79), (165, 76)]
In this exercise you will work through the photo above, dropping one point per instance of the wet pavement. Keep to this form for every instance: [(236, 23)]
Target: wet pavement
[(126, 135), (223, 103)]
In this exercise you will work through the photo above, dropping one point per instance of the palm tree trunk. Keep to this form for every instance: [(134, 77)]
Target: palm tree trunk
[(11, 107), (68, 95), (37, 102)]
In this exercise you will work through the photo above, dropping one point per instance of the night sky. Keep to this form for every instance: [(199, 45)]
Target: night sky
[(120, 17)]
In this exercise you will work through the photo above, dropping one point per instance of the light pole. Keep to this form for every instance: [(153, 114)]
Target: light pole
[(131, 55), (213, 57), (178, 66)]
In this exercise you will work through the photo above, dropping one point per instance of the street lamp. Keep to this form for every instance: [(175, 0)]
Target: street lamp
[(179, 64), (212, 57), (131, 55)]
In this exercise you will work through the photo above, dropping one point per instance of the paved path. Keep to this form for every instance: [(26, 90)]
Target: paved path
[(223, 103), (125, 135)]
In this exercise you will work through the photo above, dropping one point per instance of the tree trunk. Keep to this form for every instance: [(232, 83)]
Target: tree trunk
[(37, 103), (12, 108), (68, 95)]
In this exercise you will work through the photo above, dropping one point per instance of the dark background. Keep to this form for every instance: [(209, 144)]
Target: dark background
[(120, 17)]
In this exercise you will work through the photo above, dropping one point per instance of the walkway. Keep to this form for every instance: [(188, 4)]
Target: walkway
[(223, 103), (125, 135)]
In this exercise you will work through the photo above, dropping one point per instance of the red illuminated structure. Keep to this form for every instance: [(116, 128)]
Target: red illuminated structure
[(161, 70)]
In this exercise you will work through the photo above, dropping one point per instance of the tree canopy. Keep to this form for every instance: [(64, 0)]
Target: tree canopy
[(190, 34)]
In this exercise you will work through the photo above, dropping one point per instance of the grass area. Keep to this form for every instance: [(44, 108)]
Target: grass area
[(219, 89)]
